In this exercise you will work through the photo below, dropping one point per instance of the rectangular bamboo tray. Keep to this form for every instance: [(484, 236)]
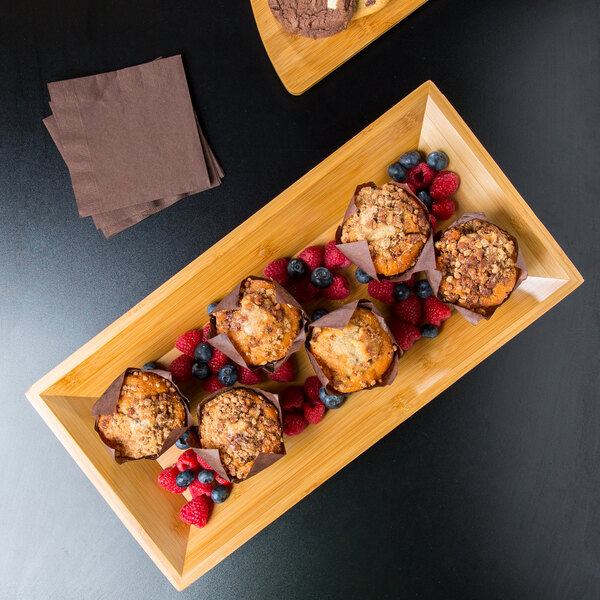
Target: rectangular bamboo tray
[(301, 62), (424, 120)]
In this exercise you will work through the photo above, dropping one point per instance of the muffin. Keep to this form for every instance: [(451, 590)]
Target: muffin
[(241, 423), (367, 7), (477, 260), (393, 222), (355, 357), (149, 408), (261, 329)]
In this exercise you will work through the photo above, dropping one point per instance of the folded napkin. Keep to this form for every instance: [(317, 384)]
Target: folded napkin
[(131, 141)]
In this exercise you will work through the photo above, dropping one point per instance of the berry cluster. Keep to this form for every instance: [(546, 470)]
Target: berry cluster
[(312, 273), (429, 180), (205, 485)]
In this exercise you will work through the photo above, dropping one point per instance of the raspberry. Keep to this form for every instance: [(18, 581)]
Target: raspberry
[(444, 185), (200, 489), (421, 176), (205, 331), (436, 311), (334, 259), (381, 290), (196, 511), (187, 342), (285, 373), (212, 384), (338, 290), (294, 423), (433, 222), (277, 271), (443, 209), (314, 411), (411, 187), (409, 310), (302, 289), (203, 463), (312, 385), (291, 399), (220, 480), (166, 479), (404, 333), (181, 367), (312, 256), (188, 460), (248, 377), (217, 361)]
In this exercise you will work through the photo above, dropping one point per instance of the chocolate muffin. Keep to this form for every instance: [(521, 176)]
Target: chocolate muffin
[(240, 423), (148, 410), (478, 264), (355, 357), (261, 329), (394, 224), (313, 18)]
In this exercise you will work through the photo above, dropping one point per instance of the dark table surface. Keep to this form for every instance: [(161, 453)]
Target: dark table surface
[(490, 491)]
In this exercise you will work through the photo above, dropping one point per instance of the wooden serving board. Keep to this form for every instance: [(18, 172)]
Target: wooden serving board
[(424, 120), (301, 62)]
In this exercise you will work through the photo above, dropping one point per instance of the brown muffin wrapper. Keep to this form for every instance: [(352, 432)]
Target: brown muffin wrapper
[(359, 254), (107, 404), (232, 302), (261, 462), (338, 319), (435, 277)]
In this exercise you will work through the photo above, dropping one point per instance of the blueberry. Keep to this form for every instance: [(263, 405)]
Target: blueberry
[(219, 494), (423, 289), (203, 352), (410, 159), (200, 370), (184, 478), (227, 375), (297, 268), (331, 400), (397, 172), (211, 307), (181, 443), (150, 366), (401, 291), (425, 198), (206, 476), (429, 331), (437, 160), (320, 312), (361, 276), (321, 277)]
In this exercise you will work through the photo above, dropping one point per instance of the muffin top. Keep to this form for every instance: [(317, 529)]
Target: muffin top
[(240, 423), (478, 264), (148, 410), (394, 224), (261, 329), (355, 357)]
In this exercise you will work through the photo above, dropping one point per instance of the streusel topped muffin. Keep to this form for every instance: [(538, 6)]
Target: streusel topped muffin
[(261, 329), (394, 224), (241, 423)]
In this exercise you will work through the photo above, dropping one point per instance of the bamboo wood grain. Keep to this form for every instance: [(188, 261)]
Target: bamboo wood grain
[(424, 119), (301, 62)]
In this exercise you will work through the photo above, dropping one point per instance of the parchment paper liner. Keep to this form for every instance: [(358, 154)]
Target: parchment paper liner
[(107, 404), (338, 319), (262, 461), (435, 277), (359, 254), (232, 302)]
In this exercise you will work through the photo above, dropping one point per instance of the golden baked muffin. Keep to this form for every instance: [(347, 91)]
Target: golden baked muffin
[(261, 329), (478, 264), (355, 357), (367, 7), (148, 410), (394, 224), (240, 423)]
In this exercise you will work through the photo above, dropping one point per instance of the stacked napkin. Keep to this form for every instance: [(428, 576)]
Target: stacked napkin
[(131, 141)]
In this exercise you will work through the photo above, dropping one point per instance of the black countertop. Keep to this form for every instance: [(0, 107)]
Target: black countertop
[(490, 491)]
